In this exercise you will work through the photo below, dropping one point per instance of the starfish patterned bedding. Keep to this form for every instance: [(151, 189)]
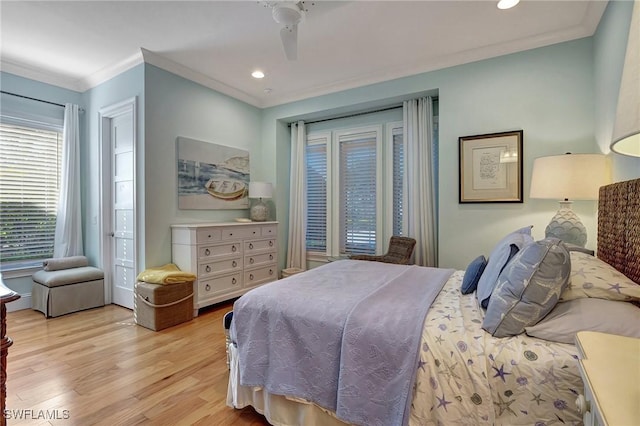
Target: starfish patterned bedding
[(501, 355)]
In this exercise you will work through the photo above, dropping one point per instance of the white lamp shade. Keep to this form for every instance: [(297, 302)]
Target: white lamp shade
[(569, 176), (626, 131), (260, 190)]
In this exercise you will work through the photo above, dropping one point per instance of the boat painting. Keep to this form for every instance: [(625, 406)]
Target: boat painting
[(212, 176), (226, 189)]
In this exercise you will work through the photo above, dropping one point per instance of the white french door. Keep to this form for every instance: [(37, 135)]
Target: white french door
[(118, 133)]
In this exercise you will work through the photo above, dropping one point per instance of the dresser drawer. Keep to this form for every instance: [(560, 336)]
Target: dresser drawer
[(259, 259), (269, 230), (260, 245), (220, 266), (208, 288), (261, 275), (208, 235), (239, 232), (219, 250)]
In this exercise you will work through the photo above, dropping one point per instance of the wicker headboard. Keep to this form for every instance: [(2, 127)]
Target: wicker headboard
[(619, 227)]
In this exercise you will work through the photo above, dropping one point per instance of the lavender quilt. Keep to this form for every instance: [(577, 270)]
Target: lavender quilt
[(344, 336)]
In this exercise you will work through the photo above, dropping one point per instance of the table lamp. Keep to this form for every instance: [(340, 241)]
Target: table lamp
[(259, 211), (626, 130), (568, 177)]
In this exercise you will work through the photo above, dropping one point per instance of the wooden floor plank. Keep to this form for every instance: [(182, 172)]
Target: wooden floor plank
[(99, 367)]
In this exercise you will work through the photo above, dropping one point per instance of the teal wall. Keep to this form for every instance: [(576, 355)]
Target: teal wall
[(609, 48), (178, 107), (547, 92), (129, 84)]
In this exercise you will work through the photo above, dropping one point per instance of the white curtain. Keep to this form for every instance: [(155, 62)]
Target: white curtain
[(297, 251), (68, 236), (420, 219)]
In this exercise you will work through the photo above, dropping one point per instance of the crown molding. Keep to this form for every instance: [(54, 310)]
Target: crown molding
[(197, 77), (40, 75), (108, 72)]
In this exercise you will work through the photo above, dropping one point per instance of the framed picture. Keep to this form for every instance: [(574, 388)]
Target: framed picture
[(211, 176), (491, 168)]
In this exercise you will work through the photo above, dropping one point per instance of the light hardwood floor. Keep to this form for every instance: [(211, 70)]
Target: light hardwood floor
[(99, 367)]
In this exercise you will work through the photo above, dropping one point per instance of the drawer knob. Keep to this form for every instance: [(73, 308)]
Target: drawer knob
[(209, 236), (583, 405), (207, 287), (251, 277), (251, 246), (270, 271), (207, 252), (233, 248), (270, 257), (208, 268), (270, 243), (234, 264), (251, 260), (230, 234), (233, 281)]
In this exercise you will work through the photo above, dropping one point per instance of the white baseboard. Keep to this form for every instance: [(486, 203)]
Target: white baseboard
[(23, 303)]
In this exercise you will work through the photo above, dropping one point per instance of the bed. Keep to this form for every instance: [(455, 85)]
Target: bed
[(468, 364)]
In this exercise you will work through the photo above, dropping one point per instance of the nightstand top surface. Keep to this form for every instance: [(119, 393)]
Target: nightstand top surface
[(611, 366)]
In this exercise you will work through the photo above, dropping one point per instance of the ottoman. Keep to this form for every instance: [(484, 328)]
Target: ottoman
[(160, 306), (64, 291)]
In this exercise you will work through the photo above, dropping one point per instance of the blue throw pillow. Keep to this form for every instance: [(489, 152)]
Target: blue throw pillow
[(528, 288), (472, 275), (498, 259)]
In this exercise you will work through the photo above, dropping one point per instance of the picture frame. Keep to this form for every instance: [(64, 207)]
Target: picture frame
[(211, 176), (490, 168)]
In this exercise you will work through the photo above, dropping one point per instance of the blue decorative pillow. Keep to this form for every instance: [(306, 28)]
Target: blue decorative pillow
[(472, 275), (498, 259), (528, 288)]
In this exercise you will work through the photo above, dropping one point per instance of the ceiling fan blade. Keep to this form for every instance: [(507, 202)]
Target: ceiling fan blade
[(289, 37)]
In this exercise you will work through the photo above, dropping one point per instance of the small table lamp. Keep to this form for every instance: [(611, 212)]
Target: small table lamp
[(564, 177), (259, 211)]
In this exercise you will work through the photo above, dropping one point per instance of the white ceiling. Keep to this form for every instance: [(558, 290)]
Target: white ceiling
[(341, 44)]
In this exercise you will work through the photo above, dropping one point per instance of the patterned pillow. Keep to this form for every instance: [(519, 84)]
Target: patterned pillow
[(592, 277), (498, 259), (528, 288)]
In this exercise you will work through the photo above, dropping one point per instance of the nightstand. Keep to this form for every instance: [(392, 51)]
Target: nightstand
[(610, 369)]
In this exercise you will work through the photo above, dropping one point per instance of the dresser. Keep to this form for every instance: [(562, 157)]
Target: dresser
[(228, 258), (610, 369)]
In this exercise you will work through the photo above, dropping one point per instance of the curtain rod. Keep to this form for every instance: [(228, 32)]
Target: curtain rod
[(351, 115), (35, 99)]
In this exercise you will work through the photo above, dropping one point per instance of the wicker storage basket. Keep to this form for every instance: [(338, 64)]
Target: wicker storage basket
[(161, 306)]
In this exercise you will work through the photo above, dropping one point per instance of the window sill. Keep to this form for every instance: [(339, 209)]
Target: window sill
[(20, 270)]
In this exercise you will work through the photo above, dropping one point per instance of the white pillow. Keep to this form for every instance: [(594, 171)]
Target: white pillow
[(605, 316)]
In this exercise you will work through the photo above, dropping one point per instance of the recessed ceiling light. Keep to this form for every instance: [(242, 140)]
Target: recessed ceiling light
[(507, 4), (257, 74)]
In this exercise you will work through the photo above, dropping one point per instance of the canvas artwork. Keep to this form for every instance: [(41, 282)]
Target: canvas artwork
[(212, 176)]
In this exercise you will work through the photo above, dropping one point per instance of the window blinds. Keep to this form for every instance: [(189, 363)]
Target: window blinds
[(398, 177), (316, 153), (358, 193), (30, 164)]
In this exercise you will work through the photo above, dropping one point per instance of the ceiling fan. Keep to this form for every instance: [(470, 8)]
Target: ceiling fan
[(288, 14)]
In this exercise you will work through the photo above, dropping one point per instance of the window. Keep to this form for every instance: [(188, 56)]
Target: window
[(344, 191), (30, 163), (358, 192), (316, 154), (397, 173)]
